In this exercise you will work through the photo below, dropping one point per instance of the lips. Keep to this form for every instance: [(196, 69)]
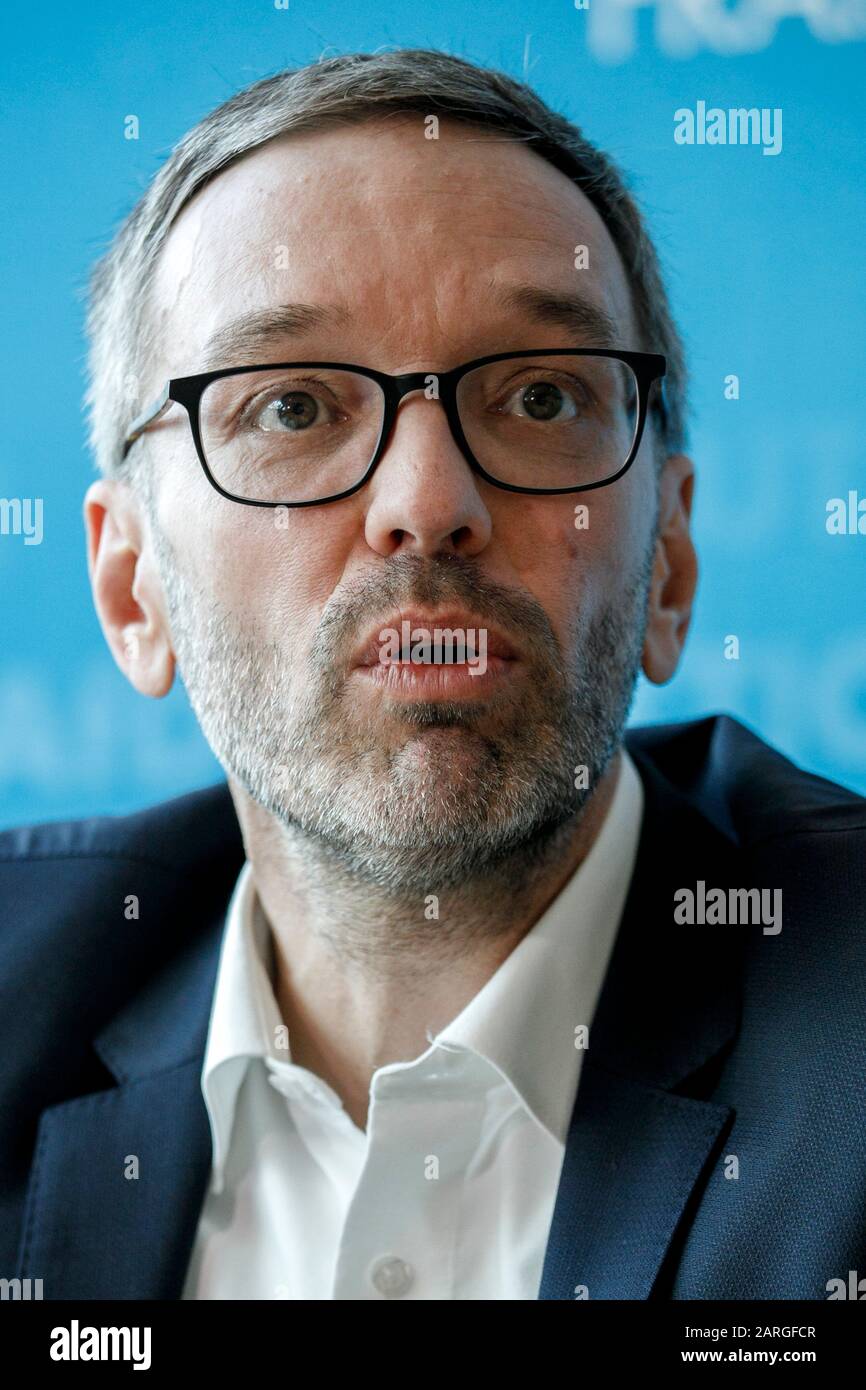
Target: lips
[(412, 626)]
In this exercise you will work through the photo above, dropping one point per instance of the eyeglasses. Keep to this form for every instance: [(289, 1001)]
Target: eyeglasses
[(299, 434)]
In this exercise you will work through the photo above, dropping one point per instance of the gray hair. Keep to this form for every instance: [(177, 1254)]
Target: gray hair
[(330, 93)]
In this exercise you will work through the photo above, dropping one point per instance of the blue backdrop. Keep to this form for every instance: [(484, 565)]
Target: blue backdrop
[(765, 261)]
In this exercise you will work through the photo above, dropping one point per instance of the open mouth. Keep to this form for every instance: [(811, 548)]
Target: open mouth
[(449, 655), (453, 653)]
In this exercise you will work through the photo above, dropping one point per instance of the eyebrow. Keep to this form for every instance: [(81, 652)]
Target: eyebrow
[(247, 335), (563, 309), (243, 338)]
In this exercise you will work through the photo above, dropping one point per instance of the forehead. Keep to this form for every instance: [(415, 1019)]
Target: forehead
[(412, 240)]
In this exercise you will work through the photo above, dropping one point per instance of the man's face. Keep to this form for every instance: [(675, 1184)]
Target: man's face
[(415, 783)]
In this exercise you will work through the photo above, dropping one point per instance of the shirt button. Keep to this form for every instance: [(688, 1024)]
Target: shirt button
[(391, 1276)]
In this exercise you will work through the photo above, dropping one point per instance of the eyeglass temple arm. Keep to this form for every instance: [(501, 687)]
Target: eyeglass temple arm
[(661, 400), (147, 417)]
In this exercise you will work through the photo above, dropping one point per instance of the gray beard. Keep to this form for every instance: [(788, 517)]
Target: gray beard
[(462, 797)]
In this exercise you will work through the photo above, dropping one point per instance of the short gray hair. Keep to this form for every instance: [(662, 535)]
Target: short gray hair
[(325, 95)]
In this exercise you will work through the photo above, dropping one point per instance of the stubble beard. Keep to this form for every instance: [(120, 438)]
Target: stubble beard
[(456, 792)]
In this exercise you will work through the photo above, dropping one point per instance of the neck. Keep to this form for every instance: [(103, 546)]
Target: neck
[(362, 975)]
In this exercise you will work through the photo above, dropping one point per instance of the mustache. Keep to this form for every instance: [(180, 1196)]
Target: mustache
[(431, 581)]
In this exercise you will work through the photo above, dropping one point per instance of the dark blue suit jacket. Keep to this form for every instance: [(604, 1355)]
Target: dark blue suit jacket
[(709, 1042)]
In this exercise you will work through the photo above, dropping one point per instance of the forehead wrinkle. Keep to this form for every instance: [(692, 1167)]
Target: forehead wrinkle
[(573, 217)]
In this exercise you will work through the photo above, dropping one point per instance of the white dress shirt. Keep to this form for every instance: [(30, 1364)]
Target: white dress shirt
[(449, 1193)]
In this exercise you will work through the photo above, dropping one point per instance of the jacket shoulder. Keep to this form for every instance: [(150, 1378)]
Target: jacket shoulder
[(747, 787), (166, 835), (90, 912), (109, 899)]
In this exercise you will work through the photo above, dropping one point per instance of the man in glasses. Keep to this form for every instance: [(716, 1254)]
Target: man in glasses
[(453, 991)]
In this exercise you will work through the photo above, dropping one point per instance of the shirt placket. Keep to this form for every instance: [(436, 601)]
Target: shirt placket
[(400, 1238)]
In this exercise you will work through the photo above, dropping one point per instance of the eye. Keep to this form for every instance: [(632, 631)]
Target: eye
[(546, 400), (290, 407), (291, 411)]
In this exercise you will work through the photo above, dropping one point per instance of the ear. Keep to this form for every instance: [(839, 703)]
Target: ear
[(675, 572), (127, 591)]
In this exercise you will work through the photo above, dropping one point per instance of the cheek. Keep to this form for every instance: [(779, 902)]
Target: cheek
[(611, 527), (567, 552), (577, 554), (275, 569)]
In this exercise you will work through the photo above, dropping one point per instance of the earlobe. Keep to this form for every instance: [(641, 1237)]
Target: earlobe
[(675, 572), (126, 589)]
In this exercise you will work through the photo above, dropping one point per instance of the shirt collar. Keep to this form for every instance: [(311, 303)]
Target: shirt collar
[(522, 1022), (524, 1019), (245, 1020)]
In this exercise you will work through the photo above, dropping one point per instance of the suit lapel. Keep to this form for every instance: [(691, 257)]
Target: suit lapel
[(642, 1135), (91, 1231), (119, 1176), (633, 1158)]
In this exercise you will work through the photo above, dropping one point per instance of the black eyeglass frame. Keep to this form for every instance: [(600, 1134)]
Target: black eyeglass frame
[(647, 367)]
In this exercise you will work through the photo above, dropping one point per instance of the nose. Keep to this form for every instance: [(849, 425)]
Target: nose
[(423, 496)]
